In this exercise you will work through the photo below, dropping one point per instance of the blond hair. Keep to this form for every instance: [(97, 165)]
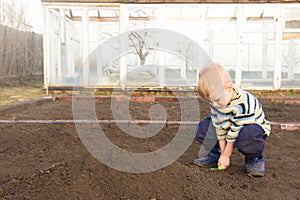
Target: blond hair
[(211, 77)]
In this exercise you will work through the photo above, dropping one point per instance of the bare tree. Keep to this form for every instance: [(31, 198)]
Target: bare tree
[(140, 46), (13, 39), (13, 15)]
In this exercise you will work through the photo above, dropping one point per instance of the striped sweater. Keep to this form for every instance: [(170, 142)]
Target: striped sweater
[(243, 109)]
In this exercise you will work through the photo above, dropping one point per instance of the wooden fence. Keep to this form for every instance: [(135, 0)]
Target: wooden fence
[(21, 53)]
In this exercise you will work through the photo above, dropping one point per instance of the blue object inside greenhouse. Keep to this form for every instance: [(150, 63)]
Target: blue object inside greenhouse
[(71, 80)]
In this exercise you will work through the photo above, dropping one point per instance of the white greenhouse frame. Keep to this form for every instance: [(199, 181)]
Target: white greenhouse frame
[(279, 56)]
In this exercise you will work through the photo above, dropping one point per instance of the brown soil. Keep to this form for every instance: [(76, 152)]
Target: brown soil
[(50, 162)]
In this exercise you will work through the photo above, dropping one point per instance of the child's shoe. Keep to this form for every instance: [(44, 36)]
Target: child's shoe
[(210, 160), (255, 166)]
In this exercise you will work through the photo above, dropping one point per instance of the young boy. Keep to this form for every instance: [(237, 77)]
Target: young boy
[(237, 120)]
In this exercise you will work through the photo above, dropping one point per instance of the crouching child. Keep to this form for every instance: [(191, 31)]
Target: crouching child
[(237, 121)]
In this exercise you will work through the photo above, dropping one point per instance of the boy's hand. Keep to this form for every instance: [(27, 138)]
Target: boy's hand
[(224, 161)]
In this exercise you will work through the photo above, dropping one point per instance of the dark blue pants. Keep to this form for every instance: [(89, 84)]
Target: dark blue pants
[(250, 142)]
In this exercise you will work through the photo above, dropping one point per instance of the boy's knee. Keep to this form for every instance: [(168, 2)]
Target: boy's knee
[(202, 129), (251, 140)]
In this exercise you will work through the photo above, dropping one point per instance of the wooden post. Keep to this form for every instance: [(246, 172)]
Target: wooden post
[(62, 21), (98, 58), (59, 44), (291, 59), (161, 55), (264, 66), (123, 20), (200, 38), (46, 47), (238, 61), (70, 49), (85, 46), (52, 48), (63, 43), (277, 70)]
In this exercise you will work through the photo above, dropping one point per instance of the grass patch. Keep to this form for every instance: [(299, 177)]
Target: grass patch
[(14, 94)]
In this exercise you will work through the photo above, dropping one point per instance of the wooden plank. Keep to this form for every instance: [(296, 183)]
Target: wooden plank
[(104, 121), (289, 36), (97, 19), (171, 1), (112, 19), (288, 126)]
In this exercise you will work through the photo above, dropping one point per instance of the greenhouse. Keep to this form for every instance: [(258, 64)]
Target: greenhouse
[(162, 44)]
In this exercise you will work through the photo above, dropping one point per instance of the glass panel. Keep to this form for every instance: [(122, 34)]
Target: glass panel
[(291, 63), (258, 59), (291, 49), (214, 12), (54, 45), (292, 14), (222, 40), (142, 12), (93, 13), (76, 13), (109, 12)]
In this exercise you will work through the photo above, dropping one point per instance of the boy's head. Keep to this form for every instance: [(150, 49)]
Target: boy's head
[(215, 85)]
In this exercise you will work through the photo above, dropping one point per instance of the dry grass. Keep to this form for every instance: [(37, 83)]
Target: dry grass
[(13, 94)]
